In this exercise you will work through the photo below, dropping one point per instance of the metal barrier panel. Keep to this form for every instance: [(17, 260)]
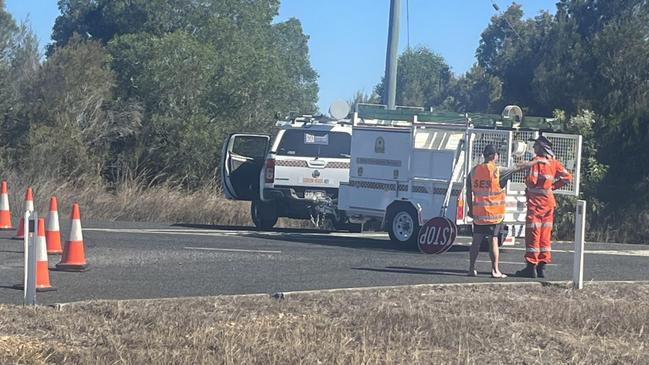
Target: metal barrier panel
[(481, 138), (567, 148)]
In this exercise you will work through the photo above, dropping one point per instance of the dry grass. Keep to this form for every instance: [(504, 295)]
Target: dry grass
[(136, 202), (603, 324)]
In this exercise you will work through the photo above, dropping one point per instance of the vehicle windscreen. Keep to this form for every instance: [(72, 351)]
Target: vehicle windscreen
[(307, 143)]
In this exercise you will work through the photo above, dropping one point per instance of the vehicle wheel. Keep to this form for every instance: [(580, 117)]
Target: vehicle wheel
[(403, 225), (264, 215)]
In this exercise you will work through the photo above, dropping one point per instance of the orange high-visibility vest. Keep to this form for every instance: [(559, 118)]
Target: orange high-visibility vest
[(488, 196)]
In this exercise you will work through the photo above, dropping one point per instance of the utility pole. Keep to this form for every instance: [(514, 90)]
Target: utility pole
[(390, 83)]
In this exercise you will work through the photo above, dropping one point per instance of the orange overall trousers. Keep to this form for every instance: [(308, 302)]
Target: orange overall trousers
[(541, 180)]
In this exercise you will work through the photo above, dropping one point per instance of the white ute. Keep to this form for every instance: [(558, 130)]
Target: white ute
[(297, 176)]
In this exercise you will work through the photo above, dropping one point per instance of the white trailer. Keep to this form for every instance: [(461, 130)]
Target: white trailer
[(408, 165)]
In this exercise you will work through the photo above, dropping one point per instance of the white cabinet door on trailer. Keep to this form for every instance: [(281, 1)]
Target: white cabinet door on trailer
[(242, 160)]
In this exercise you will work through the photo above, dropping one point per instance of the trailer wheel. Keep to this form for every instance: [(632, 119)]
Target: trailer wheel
[(264, 215), (403, 225)]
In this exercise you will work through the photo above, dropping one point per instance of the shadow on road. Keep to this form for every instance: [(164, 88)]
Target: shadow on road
[(414, 270), (12, 287), (11, 251), (250, 228), (361, 243), (324, 238)]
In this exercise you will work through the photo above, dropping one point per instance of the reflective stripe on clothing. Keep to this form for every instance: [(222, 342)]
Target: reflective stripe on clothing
[(487, 193), (539, 224), (540, 191), (482, 218), (547, 177), (485, 204)]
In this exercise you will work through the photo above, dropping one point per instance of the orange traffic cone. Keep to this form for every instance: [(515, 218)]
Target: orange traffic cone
[(29, 205), (74, 258), (52, 232), (42, 269), (5, 213)]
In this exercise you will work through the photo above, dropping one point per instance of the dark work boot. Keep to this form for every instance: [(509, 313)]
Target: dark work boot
[(528, 272), (540, 270)]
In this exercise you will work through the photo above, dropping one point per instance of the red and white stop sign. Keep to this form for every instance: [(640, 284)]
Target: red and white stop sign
[(437, 235)]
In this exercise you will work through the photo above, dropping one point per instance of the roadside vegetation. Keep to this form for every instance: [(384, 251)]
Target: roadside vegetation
[(504, 324), (134, 98)]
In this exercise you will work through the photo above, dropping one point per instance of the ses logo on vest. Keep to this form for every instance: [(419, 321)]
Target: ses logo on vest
[(482, 184)]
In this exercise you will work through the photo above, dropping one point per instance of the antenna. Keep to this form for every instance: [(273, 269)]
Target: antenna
[(339, 109)]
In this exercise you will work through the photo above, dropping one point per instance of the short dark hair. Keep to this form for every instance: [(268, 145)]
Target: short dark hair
[(489, 150)]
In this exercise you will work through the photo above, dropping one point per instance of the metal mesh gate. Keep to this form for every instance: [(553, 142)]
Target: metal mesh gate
[(480, 138), (515, 147), (567, 148)]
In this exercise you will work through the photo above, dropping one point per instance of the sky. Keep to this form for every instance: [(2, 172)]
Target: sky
[(348, 38)]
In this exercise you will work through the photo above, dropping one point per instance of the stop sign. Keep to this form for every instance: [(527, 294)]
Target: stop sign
[(437, 235)]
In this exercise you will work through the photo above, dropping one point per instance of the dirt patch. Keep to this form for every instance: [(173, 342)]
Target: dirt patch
[(604, 323)]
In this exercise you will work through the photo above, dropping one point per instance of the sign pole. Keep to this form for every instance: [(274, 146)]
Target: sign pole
[(580, 234)]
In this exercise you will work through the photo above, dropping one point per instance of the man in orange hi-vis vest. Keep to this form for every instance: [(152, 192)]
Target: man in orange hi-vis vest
[(486, 203), (540, 181)]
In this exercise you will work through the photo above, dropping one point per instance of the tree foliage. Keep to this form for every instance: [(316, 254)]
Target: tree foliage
[(423, 79), (590, 60), (196, 70)]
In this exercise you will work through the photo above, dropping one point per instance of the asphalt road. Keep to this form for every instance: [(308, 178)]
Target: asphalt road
[(138, 260)]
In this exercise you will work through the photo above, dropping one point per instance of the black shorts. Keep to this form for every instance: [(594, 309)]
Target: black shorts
[(492, 230)]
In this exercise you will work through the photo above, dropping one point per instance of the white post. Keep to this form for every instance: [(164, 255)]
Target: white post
[(580, 234), (29, 288)]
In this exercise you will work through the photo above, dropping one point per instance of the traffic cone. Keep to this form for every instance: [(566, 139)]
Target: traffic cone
[(5, 213), (29, 205), (42, 268), (74, 258), (52, 232)]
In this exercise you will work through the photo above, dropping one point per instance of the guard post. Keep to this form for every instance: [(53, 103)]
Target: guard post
[(580, 236), (29, 288)]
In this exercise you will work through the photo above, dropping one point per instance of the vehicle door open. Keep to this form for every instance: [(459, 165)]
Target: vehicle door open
[(242, 160)]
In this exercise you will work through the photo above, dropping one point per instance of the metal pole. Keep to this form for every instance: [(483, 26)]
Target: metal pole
[(390, 83), (580, 234), (29, 288)]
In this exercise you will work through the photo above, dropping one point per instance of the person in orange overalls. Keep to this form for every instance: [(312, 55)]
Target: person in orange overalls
[(541, 180)]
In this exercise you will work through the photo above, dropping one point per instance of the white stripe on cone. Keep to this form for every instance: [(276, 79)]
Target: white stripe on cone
[(29, 205), (52, 221), (4, 202), (41, 248), (75, 231)]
